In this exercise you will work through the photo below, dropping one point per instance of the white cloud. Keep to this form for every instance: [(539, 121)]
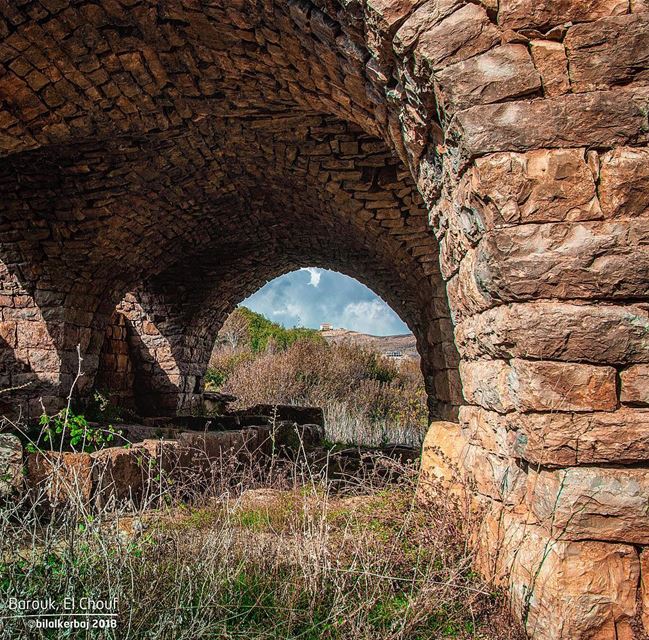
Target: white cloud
[(315, 275), (326, 296), (373, 316)]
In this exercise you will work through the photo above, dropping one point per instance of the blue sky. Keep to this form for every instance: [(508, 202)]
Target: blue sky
[(309, 297)]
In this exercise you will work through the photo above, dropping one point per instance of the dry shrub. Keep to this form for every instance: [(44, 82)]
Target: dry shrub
[(367, 399)]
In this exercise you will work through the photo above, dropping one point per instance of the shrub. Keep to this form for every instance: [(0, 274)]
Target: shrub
[(67, 431), (245, 329), (367, 398)]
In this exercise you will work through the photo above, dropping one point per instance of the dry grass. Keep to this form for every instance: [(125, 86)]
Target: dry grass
[(291, 560)]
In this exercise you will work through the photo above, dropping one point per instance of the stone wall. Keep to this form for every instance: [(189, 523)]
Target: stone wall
[(115, 378), (482, 165)]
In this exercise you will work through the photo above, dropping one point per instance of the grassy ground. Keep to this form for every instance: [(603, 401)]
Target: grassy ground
[(298, 562)]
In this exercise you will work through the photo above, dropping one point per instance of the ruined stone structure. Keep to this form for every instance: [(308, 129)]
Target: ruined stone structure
[(482, 165)]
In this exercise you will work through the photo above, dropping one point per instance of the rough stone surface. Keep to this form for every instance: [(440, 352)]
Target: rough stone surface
[(644, 587), (561, 439), (635, 385), (551, 62), (482, 164), (518, 14), (582, 333), (465, 33), (61, 478), (442, 452), (563, 121), (526, 385), (539, 186), (592, 503), (623, 178), (118, 475), (11, 465), (609, 52), (562, 589), (501, 73)]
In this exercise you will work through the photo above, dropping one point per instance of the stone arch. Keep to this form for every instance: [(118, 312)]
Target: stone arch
[(524, 128)]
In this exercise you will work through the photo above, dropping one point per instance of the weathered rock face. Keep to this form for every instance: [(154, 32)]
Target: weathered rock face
[(482, 165), (562, 589), (11, 465)]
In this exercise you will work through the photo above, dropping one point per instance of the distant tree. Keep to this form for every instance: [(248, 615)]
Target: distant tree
[(263, 334)]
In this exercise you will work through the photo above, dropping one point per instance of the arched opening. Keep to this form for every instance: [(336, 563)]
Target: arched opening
[(315, 337)]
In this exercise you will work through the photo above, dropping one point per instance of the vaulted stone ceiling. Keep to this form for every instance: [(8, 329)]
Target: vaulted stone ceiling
[(183, 148)]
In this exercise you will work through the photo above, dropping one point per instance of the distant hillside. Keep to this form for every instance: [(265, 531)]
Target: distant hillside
[(405, 343)]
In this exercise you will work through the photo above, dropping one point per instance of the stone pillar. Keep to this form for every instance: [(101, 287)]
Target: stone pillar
[(168, 356), (538, 191), (553, 331), (40, 330)]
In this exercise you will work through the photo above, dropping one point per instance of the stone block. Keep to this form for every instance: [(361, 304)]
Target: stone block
[(463, 34), (499, 74), (567, 261), (118, 475), (551, 62), (498, 478), (421, 20), (539, 186), (609, 52), (523, 14), (563, 121), (441, 457), (562, 590), (526, 385), (623, 177), (60, 478), (566, 439), (635, 385), (561, 331), (592, 503)]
